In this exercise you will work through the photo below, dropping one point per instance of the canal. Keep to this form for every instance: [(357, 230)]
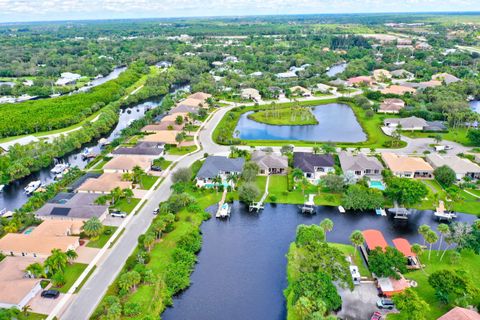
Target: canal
[(241, 268)]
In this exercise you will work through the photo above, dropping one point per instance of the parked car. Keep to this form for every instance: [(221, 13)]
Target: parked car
[(50, 294), (376, 316), (385, 304), (156, 211), (156, 168), (448, 148), (118, 214)]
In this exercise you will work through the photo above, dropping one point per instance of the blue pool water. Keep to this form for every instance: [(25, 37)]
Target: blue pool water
[(377, 185), (28, 231)]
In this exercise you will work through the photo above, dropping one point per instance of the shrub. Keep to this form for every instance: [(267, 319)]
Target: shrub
[(309, 234), (131, 309)]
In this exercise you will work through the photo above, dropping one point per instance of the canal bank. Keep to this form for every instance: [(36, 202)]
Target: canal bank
[(241, 270)]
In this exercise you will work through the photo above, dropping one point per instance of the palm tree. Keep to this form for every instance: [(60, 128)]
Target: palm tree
[(217, 180), (316, 149), (26, 310), (137, 174), (71, 255), (431, 237), (158, 227), (417, 250), (36, 270), (444, 229), (449, 240), (93, 228), (304, 184), (128, 194), (357, 239), (232, 179), (422, 230), (116, 194), (11, 227), (148, 241), (56, 262), (327, 226), (297, 174)]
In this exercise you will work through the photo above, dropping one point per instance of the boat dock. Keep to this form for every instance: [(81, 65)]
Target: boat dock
[(309, 205), (443, 214), (257, 206), (224, 209), (399, 213)]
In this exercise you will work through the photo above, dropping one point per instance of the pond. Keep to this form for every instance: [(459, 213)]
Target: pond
[(336, 122), (241, 268), (475, 105), (336, 69)]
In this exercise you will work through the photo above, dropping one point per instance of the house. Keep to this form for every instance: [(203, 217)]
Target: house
[(73, 206), (301, 91), (405, 248), (104, 184), (270, 163), (422, 46), (256, 74), (391, 106), (407, 167), (164, 136), (324, 88), (361, 80), (202, 96), (373, 239), (313, 166), (402, 74), (191, 103), (163, 125), (164, 64), (445, 77), (218, 167), (410, 123), (390, 286), (459, 313), (251, 94), (360, 164), (338, 83), (173, 115), (381, 75), (17, 287), (142, 148), (184, 108), (399, 90), (67, 78), (41, 240), (286, 75), (126, 163), (462, 167)]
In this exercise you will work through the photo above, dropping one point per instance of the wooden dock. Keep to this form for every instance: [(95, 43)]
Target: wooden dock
[(220, 213), (309, 205), (257, 206)]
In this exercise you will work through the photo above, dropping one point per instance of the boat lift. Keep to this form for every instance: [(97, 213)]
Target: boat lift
[(309, 205), (399, 213), (443, 214)]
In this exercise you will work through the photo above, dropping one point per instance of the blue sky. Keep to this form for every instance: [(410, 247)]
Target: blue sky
[(38, 10)]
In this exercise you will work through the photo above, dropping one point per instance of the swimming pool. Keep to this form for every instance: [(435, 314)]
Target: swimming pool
[(376, 184), (29, 230)]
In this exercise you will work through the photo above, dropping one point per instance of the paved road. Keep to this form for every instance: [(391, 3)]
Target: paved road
[(92, 292)]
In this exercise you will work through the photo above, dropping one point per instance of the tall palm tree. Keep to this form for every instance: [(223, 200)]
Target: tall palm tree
[(56, 262), (116, 194), (36, 270), (417, 250), (449, 240), (327, 226), (357, 239), (128, 194), (422, 230), (148, 241), (93, 228), (71, 255), (444, 229), (232, 179), (26, 309), (431, 237), (137, 174)]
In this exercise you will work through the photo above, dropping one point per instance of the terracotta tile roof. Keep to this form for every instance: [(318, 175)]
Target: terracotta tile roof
[(398, 90), (374, 238), (105, 183), (458, 313), (164, 136), (398, 163), (404, 247), (128, 162)]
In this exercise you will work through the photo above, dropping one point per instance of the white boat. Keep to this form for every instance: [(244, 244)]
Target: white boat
[(224, 211), (341, 209), (32, 186), (60, 168), (2, 186)]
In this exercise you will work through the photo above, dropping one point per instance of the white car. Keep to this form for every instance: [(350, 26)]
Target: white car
[(118, 214)]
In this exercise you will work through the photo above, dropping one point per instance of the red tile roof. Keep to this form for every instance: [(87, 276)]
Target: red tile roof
[(404, 247), (458, 313), (374, 238)]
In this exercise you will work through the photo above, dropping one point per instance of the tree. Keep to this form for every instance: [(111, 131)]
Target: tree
[(286, 149), (137, 174), (411, 306), (129, 280), (445, 176), (334, 183), (444, 230), (309, 234), (327, 226), (452, 284), (431, 237), (36, 270), (474, 137), (56, 262), (405, 191), (361, 198), (248, 192), (297, 173), (26, 309), (116, 194), (422, 230), (328, 148), (418, 251), (179, 120), (182, 175), (232, 179), (148, 241), (357, 239), (58, 279), (387, 263), (71, 255), (93, 228), (128, 194), (180, 137), (250, 171)]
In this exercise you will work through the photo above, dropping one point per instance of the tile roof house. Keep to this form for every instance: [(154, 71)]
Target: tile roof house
[(360, 164), (301, 90), (402, 74), (17, 287), (41, 240), (151, 149), (251, 94), (217, 166), (390, 286), (373, 239), (270, 163), (391, 106), (404, 246), (410, 123), (165, 136), (398, 90), (202, 96), (79, 207), (184, 108), (447, 78), (462, 167), (357, 81), (407, 167), (459, 313), (163, 125), (314, 166), (104, 184), (126, 163), (173, 116), (381, 75)]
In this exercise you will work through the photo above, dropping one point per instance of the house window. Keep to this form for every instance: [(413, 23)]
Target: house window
[(358, 173)]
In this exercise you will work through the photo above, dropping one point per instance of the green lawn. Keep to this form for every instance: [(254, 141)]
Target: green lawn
[(72, 272), (102, 240), (181, 150), (458, 135), (31, 316), (162, 163), (147, 181), (261, 183), (125, 206), (349, 250), (469, 263), (285, 116)]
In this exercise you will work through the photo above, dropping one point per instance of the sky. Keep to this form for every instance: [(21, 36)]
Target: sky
[(47, 10)]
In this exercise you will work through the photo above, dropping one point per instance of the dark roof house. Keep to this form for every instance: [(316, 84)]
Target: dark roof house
[(215, 165), (80, 206), (307, 162)]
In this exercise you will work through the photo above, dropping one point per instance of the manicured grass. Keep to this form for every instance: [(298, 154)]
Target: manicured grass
[(285, 116), (162, 163), (147, 181), (181, 150), (261, 182), (458, 135), (31, 316), (469, 262), (125, 206), (466, 204), (357, 259), (72, 272), (102, 240)]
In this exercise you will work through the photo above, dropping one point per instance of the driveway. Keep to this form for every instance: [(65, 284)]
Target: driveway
[(43, 305), (86, 254)]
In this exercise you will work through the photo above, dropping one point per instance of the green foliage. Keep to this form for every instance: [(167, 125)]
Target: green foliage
[(248, 192), (358, 197), (309, 234), (411, 306), (250, 171), (182, 175), (334, 183), (93, 228), (445, 176), (387, 263), (451, 285), (405, 191)]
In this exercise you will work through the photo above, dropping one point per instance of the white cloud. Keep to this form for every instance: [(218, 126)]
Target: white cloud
[(13, 10)]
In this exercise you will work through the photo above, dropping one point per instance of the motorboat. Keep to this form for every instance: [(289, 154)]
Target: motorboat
[(2, 186), (60, 168), (224, 211), (32, 186)]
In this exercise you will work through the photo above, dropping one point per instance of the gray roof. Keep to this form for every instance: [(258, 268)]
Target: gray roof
[(213, 165), (410, 122), (457, 164), (80, 206), (267, 160), (181, 108), (308, 161), (138, 151), (435, 126), (359, 162)]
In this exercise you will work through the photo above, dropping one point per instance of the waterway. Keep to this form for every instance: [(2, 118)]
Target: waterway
[(13, 196), (336, 122), (96, 82), (336, 69), (241, 268)]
